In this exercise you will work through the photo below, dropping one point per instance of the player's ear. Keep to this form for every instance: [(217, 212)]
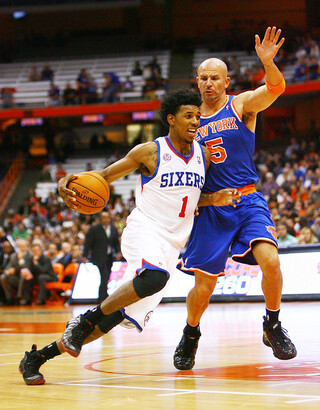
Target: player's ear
[(228, 80), (170, 119)]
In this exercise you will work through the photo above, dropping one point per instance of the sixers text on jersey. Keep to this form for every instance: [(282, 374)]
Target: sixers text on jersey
[(182, 179)]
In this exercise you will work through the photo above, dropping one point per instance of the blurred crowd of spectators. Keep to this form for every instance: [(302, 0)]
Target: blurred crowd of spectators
[(290, 182)]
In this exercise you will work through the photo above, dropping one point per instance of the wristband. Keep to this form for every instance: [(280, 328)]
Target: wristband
[(276, 89)]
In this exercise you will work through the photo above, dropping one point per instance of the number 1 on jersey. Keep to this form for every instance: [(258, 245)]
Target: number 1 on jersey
[(182, 213)]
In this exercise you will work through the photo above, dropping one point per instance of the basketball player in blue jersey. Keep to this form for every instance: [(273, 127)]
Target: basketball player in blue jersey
[(172, 175), (227, 129)]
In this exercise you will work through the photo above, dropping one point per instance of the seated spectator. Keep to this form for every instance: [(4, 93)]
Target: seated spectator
[(314, 51), (47, 74), (131, 202), (53, 253), (54, 95), (301, 52), (66, 255), (45, 175), (20, 231), (154, 67), (127, 85), (60, 172), (292, 148), (76, 257), (149, 89), (82, 85), (92, 95), (307, 236), (6, 249), (7, 97), (34, 75), (269, 184), (69, 95), (313, 69), (137, 70), (37, 270), (111, 88), (117, 207), (284, 238), (300, 71), (10, 278)]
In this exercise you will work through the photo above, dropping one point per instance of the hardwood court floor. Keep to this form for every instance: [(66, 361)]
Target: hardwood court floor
[(128, 370)]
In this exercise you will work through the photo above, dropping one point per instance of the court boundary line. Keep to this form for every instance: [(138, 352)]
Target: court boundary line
[(181, 391)]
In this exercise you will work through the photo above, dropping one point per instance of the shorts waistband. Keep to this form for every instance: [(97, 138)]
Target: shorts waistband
[(248, 189)]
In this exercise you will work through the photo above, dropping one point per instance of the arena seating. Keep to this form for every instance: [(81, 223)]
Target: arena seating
[(35, 93), (122, 186), (61, 290)]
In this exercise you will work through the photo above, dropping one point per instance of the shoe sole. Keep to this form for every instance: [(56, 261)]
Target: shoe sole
[(34, 382), (183, 367), (267, 343), (71, 352)]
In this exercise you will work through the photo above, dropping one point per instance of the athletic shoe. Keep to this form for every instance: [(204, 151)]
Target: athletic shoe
[(277, 338), (77, 330), (185, 353), (29, 367)]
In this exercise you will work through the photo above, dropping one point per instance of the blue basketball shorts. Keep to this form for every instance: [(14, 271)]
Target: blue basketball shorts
[(218, 230)]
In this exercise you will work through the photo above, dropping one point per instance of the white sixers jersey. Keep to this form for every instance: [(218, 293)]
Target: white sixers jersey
[(170, 196)]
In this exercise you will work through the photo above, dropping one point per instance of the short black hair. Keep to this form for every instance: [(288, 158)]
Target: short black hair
[(173, 101)]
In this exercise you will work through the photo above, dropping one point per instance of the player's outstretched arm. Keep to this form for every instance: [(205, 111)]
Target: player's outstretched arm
[(224, 197), (252, 102), (142, 157)]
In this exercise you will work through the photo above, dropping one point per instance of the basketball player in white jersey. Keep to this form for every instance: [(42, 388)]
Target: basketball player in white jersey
[(172, 175)]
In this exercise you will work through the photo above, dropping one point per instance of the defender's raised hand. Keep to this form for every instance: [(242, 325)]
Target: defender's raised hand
[(269, 47)]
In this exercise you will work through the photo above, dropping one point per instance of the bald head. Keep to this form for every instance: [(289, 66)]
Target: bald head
[(213, 82), (213, 64)]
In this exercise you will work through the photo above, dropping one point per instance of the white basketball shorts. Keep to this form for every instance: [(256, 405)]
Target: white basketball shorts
[(143, 246)]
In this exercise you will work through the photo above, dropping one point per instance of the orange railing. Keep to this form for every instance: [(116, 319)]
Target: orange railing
[(10, 181)]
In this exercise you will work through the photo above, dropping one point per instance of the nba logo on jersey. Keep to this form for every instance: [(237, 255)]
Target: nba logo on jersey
[(166, 157), (199, 160)]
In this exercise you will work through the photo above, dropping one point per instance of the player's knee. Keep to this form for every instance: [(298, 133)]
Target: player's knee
[(205, 285), (150, 282)]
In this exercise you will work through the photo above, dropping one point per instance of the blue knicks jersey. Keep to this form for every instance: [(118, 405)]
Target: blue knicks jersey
[(231, 145)]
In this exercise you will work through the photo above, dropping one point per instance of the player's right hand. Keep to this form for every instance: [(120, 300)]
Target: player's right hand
[(224, 197), (66, 194)]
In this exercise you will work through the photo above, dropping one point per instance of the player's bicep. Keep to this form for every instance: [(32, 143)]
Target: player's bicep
[(120, 168), (139, 155)]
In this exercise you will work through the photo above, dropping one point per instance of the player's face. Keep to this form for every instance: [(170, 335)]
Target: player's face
[(185, 123), (212, 83)]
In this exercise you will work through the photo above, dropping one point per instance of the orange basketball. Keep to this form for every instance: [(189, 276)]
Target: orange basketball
[(92, 192)]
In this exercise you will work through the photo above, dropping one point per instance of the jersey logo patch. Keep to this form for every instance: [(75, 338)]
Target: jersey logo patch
[(273, 232), (199, 160), (166, 157)]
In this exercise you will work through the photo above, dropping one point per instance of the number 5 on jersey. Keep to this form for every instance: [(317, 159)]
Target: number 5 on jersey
[(218, 153)]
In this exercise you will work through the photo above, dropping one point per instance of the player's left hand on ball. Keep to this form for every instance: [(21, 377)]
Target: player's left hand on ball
[(68, 196), (227, 196)]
